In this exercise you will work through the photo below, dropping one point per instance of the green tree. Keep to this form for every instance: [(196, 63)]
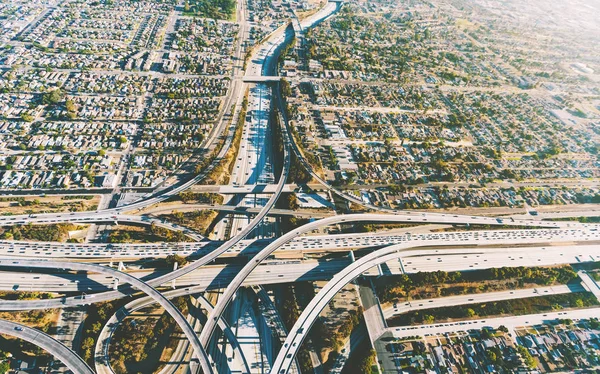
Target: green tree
[(172, 259), (53, 97), (27, 117), (528, 360), (70, 105)]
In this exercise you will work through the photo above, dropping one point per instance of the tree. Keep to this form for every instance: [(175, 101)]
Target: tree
[(4, 367), (53, 97), (503, 328), (27, 117), (528, 360), (293, 202), (69, 105), (172, 259), (470, 312)]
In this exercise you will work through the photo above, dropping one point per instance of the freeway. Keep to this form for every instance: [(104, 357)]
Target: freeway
[(302, 244), (105, 336), (510, 322), (312, 311), (441, 302), (49, 344), (282, 271), (290, 270), (350, 218), (133, 281), (209, 277)]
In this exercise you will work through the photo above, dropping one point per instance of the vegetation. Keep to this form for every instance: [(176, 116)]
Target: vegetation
[(175, 259), (202, 197), (4, 364), (528, 360), (46, 233), (418, 285), (199, 220), (137, 344), (97, 316), (25, 295), (218, 173), (362, 360), (288, 308), (151, 234), (217, 9)]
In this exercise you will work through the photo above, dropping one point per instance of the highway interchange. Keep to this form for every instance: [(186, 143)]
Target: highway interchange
[(528, 242)]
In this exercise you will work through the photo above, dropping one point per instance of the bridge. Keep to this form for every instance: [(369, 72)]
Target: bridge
[(249, 189), (261, 79)]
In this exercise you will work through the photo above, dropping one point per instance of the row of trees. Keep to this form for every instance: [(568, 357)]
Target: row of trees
[(46, 233), (392, 288)]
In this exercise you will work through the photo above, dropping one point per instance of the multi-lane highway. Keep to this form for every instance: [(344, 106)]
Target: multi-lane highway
[(542, 243), (312, 311), (510, 322), (233, 287), (413, 305)]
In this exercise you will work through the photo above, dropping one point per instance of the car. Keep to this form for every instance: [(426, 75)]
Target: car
[(18, 328)]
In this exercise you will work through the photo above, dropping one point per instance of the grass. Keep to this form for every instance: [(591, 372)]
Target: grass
[(48, 204)]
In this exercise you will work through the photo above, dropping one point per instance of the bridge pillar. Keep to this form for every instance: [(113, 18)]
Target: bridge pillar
[(121, 266), (116, 284), (173, 281), (351, 255)]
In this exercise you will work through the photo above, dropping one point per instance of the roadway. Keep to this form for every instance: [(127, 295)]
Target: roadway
[(133, 281), (350, 218), (441, 302), (510, 322), (105, 336), (300, 244), (49, 344), (312, 311), (209, 275)]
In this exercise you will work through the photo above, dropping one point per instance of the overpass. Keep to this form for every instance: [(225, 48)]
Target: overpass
[(249, 189), (75, 363), (133, 281), (311, 312), (350, 218), (104, 338), (260, 79)]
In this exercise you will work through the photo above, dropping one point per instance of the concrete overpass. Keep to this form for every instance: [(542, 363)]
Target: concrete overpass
[(312, 311), (249, 189), (133, 281), (350, 218), (260, 79), (105, 336), (47, 343)]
